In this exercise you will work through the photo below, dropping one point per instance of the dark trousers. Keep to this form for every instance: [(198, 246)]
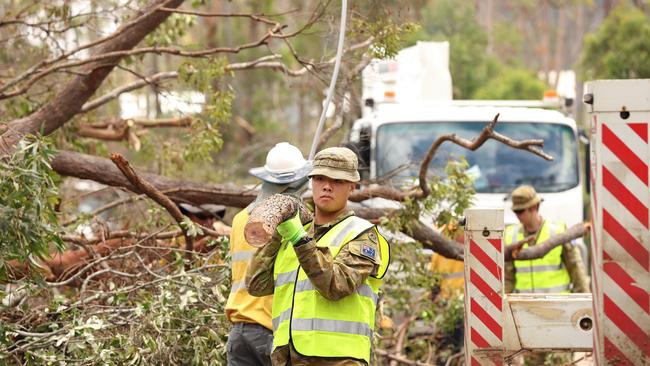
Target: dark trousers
[(249, 345)]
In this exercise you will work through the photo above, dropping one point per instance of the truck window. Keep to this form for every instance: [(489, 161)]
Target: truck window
[(495, 167)]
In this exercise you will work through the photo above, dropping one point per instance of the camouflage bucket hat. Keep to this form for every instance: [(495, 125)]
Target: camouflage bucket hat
[(336, 163), (524, 197)]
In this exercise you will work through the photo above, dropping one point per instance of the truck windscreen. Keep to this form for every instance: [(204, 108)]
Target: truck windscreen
[(495, 167)]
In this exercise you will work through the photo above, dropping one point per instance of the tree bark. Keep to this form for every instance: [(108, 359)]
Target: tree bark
[(68, 102), (435, 241), (270, 213), (103, 171)]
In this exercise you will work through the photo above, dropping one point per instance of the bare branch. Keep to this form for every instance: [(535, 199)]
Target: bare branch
[(386, 192), (135, 21), (487, 133), (245, 125), (153, 79), (147, 188), (260, 63), (69, 100), (117, 129), (162, 122), (109, 59), (540, 250), (402, 332), (256, 17)]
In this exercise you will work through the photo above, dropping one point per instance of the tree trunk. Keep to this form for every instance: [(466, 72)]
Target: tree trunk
[(103, 171), (68, 102)]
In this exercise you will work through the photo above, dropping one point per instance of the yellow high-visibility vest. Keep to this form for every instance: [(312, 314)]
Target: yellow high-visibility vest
[(541, 275), (242, 307), (317, 326)]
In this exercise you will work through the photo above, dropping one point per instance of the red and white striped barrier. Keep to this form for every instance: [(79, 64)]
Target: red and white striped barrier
[(484, 291), (499, 327), (620, 231)]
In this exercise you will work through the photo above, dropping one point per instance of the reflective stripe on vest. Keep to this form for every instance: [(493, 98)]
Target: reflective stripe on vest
[(315, 325), (236, 286), (329, 325), (541, 275), (286, 277), (363, 290), (546, 290), (285, 315), (242, 256), (450, 276)]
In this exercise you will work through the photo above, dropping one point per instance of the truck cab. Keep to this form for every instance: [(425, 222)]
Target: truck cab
[(395, 137), (408, 104)]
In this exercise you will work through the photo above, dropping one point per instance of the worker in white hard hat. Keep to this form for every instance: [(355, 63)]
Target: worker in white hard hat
[(251, 338)]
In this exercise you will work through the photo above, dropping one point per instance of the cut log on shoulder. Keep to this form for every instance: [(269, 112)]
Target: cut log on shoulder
[(540, 250), (270, 213)]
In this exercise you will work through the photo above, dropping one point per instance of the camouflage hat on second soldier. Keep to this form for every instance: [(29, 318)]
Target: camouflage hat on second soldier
[(336, 163), (524, 197)]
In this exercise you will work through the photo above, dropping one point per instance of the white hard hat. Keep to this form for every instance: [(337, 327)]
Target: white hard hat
[(284, 164)]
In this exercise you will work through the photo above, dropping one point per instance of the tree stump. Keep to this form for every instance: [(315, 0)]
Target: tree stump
[(270, 213)]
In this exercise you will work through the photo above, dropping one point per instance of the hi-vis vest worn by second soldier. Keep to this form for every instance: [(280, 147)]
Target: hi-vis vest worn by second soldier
[(315, 325), (242, 307), (547, 274)]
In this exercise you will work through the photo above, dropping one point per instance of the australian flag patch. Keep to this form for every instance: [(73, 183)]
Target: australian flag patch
[(368, 251)]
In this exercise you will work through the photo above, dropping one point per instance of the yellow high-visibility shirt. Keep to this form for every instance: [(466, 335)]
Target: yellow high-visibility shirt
[(451, 272), (242, 307)]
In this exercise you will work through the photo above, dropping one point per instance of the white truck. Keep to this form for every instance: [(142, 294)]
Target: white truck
[(408, 105)]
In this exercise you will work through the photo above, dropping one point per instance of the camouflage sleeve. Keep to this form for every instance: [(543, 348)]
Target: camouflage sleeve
[(259, 275), (573, 262), (509, 276), (335, 278)]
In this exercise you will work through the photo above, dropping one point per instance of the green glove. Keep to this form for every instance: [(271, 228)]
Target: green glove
[(292, 230)]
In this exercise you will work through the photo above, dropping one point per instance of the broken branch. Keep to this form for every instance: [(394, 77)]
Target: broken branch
[(540, 250), (487, 133), (151, 191)]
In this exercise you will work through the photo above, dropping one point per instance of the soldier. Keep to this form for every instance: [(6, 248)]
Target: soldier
[(251, 336), (560, 270), (324, 276)]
